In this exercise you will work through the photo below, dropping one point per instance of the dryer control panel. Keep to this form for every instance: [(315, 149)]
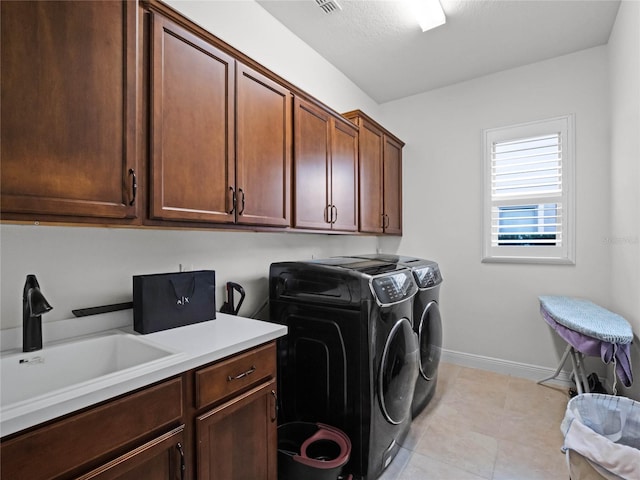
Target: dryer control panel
[(427, 276), (393, 288)]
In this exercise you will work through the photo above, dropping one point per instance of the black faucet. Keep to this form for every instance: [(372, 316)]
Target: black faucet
[(33, 306)]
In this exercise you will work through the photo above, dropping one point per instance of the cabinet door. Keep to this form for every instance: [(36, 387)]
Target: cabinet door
[(370, 171), (392, 186), (344, 176), (160, 459), (263, 150), (312, 166), (192, 148), (68, 136), (238, 440)]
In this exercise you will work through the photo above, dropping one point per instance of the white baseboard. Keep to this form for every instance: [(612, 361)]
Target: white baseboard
[(507, 367)]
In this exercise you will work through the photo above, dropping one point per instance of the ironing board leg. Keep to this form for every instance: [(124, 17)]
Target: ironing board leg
[(562, 360), (582, 382)]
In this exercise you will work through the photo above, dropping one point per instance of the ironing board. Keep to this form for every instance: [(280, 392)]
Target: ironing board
[(589, 330)]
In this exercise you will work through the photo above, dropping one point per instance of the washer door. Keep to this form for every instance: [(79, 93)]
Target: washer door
[(398, 372), (430, 338)]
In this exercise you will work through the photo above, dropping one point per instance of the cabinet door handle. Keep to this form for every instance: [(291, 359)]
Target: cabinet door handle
[(326, 214), (134, 186), (242, 209), (242, 375), (183, 466), (385, 221), (274, 415), (233, 200), (334, 217)]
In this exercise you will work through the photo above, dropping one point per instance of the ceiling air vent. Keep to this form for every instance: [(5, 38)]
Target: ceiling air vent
[(329, 6)]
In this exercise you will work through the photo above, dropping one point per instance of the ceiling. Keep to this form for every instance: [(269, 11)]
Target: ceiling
[(379, 46)]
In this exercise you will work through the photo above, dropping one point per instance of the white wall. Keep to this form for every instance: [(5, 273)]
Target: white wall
[(624, 65), (491, 310), (89, 266)]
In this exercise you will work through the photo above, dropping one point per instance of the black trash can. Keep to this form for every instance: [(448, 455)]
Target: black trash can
[(311, 451)]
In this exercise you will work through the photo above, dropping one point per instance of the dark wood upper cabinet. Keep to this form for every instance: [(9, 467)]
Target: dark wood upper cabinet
[(69, 96), (371, 174), (221, 135), (344, 175), (124, 112), (380, 172), (312, 166), (392, 188), (192, 139), (264, 143), (326, 163)]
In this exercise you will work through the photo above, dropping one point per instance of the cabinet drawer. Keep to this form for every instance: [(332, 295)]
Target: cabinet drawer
[(230, 376), (93, 436)]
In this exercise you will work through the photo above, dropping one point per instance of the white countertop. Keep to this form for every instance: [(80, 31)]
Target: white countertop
[(194, 345)]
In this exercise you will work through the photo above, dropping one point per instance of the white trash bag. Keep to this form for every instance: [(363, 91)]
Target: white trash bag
[(602, 437)]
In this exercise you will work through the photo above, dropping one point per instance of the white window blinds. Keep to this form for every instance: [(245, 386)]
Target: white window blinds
[(527, 169), (527, 166)]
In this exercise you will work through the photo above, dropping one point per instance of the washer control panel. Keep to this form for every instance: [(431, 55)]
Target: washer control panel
[(394, 288)]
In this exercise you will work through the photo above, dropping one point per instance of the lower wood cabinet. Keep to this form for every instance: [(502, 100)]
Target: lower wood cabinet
[(235, 417), (238, 438), (75, 444), (217, 422), (161, 458)]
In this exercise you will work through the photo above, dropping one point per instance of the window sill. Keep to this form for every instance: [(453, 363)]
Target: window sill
[(530, 260)]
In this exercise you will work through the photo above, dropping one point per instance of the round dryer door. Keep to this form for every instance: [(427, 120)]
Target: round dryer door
[(430, 338), (398, 372)]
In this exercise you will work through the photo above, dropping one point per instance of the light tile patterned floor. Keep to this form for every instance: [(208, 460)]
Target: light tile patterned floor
[(485, 426)]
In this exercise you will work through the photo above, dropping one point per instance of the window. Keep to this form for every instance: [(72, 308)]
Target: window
[(528, 190)]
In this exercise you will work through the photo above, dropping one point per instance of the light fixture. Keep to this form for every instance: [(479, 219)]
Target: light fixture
[(329, 6), (428, 13)]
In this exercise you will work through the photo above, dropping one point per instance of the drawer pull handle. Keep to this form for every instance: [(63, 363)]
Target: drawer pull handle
[(242, 375), (274, 416), (242, 209), (183, 467), (134, 186), (233, 200)]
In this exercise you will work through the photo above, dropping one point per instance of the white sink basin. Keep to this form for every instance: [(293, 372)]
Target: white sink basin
[(68, 365)]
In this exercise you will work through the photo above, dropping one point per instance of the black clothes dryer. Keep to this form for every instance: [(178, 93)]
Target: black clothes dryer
[(350, 357), (427, 322)]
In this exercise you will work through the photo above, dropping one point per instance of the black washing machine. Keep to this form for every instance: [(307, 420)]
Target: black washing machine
[(427, 322), (350, 357)]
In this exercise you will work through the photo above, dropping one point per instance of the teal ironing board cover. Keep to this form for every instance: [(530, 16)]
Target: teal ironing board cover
[(588, 318)]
